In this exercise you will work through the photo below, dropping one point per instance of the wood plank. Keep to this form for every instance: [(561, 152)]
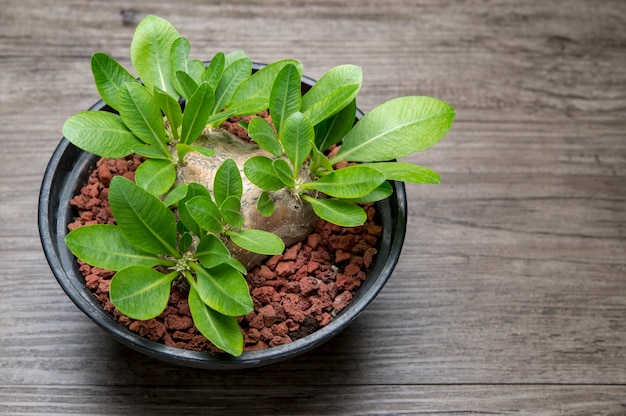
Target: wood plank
[(306, 400)]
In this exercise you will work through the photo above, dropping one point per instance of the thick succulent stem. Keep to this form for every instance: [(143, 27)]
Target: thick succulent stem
[(292, 220)]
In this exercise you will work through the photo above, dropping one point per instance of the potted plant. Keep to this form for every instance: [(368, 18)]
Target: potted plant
[(204, 207)]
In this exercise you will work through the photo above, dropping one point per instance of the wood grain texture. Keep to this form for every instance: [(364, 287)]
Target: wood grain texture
[(510, 294)]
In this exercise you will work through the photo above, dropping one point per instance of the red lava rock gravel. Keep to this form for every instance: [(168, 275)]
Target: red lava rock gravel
[(294, 294)]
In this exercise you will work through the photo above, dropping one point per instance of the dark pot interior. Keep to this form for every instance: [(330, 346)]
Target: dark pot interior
[(68, 171)]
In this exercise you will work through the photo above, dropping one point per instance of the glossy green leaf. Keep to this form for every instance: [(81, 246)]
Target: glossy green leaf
[(231, 211), (180, 62), (332, 130), (285, 96), (171, 109), (257, 241), (265, 204), (143, 218), (223, 331), (382, 192), (297, 136), (141, 292), (101, 133), (320, 163), (350, 182), (233, 75), (259, 85), (223, 289), (142, 115), (205, 213), (156, 176), (227, 182), (151, 152), (188, 86), (109, 77), (244, 108), (176, 194), (150, 53), (183, 149), (264, 135), (193, 190), (233, 57), (213, 73), (260, 171), (185, 242), (105, 246), (342, 213), (335, 90), (196, 113), (283, 172), (406, 172), (396, 129), (211, 251)]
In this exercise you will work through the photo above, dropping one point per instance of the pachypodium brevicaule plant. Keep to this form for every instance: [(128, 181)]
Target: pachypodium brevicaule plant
[(174, 231)]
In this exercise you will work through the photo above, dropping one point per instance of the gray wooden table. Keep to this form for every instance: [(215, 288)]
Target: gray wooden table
[(510, 295)]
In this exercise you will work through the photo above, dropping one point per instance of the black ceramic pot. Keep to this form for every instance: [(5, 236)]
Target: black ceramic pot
[(69, 169)]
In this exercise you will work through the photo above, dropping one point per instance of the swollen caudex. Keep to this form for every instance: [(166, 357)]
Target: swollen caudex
[(292, 220)]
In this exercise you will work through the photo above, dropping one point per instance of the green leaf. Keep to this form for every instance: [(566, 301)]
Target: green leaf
[(350, 182), (142, 115), (319, 162), (283, 172), (205, 213), (260, 171), (109, 77), (257, 241), (150, 53), (259, 85), (297, 136), (265, 204), (332, 130), (104, 246), (378, 194), (185, 242), (188, 86), (231, 211), (233, 57), (101, 133), (223, 331), (264, 135), (183, 149), (140, 292), (336, 89), (171, 109), (211, 251), (406, 172), (151, 152), (143, 218), (176, 194), (213, 73), (193, 190), (180, 62), (227, 182), (156, 176), (196, 113), (286, 95), (342, 213), (244, 108), (223, 289), (396, 129), (233, 75)]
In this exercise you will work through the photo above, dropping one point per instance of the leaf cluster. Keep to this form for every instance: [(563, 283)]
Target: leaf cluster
[(166, 232)]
